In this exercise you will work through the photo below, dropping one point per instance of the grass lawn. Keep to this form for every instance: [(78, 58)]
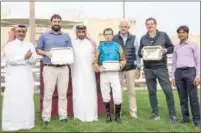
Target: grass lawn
[(143, 124)]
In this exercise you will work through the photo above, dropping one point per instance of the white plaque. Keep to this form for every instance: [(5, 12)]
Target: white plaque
[(62, 56), (152, 53), (111, 65)]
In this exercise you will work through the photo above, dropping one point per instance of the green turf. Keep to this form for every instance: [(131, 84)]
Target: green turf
[(143, 124)]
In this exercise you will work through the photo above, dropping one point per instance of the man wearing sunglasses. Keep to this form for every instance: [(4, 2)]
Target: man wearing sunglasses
[(54, 74), (18, 101), (85, 106), (186, 75), (157, 69)]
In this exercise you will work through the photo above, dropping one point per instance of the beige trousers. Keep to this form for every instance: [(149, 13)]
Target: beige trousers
[(53, 76), (130, 79)]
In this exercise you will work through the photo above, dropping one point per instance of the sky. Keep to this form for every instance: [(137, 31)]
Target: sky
[(169, 15)]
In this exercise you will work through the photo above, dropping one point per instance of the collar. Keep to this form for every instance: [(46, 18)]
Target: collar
[(124, 35), (186, 42), (108, 42), (157, 33), (17, 40), (128, 35), (51, 32)]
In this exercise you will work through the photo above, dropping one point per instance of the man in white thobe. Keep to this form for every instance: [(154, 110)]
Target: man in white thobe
[(18, 101), (85, 106)]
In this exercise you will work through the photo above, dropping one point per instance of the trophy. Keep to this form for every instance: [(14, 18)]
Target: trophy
[(62, 55), (152, 53), (111, 65)]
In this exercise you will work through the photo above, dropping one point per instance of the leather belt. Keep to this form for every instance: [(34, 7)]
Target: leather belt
[(184, 68), (55, 65)]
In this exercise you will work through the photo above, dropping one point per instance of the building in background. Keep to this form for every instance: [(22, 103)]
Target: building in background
[(95, 27)]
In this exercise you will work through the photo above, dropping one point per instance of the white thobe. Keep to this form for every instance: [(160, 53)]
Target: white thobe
[(18, 102), (85, 106)]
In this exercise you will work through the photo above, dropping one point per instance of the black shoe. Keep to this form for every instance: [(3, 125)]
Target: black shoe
[(185, 122), (45, 123), (118, 113), (63, 121), (197, 124), (173, 120), (107, 110), (155, 117)]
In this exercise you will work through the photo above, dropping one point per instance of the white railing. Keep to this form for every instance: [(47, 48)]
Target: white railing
[(36, 71)]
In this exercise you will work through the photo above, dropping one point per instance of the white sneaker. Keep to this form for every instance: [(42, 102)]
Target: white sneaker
[(124, 89), (134, 115)]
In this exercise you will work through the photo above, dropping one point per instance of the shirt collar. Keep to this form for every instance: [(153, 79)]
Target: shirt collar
[(127, 35), (51, 32), (17, 40), (186, 42), (124, 36), (157, 33)]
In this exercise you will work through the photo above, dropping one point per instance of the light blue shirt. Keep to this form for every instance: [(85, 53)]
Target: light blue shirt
[(50, 40)]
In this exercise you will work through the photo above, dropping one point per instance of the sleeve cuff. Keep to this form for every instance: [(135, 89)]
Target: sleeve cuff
[(165, 50), (19, 58)]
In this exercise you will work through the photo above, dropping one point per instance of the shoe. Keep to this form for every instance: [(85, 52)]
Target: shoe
[(184, 122), (118, 113), (63, 121), (107, 110), (45, 123), (155, 117), (134, 115), (197, 124), (173, 120)]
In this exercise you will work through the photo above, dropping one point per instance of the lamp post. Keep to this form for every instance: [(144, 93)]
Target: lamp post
[(124, 14), (32, 21)]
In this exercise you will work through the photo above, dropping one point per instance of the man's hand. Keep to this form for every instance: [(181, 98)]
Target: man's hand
[(196, 81), (48, 54), (173, 83), (101, 69), (28, 54), (137, 73)]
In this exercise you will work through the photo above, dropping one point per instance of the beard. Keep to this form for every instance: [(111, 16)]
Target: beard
[(56, 28), (81, 37)]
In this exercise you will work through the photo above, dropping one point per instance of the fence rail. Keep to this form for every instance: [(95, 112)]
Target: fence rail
[(36, 73)]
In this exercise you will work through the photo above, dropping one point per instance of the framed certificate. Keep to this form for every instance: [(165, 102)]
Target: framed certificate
[(111, 65), (152, 53), (62, 56)]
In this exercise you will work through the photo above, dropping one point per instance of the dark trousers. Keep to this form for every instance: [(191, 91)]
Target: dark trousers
[(163, 77), (184, 78)]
